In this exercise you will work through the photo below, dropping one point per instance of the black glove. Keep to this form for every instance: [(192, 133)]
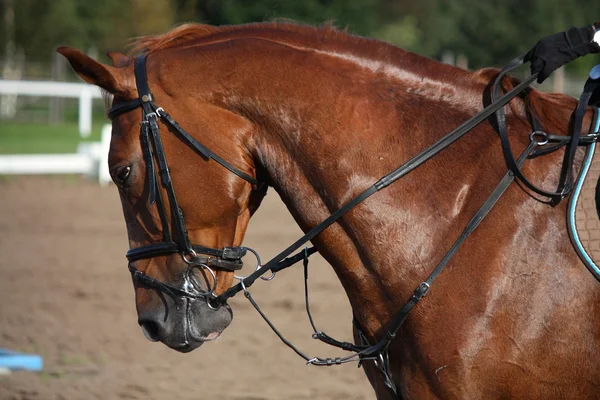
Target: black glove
[(556, 50)]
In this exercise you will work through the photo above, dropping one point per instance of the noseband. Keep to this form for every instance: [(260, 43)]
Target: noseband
[(195, 255)]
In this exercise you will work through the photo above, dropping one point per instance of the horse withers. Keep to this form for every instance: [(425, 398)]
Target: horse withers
[(320, 116)]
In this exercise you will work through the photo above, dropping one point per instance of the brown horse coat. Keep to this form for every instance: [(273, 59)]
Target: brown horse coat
[(321, 115)]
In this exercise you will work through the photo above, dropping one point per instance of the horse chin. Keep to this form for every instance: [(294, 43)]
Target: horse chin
[(187, 347), (194, 342), (203, 324)]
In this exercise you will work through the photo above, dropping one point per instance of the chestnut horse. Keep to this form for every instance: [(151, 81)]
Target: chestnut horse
[(320, 115)]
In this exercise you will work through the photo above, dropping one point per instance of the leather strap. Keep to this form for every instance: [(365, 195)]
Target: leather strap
[(201, 149), (228, 258), (145, 97), (403, 170), (565, 183)]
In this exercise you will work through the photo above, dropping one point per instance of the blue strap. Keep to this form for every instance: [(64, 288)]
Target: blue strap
[(589, 156)]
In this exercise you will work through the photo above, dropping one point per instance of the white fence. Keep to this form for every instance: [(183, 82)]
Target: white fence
[(90, 159), (82, 91)]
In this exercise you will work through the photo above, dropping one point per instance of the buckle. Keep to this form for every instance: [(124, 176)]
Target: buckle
[(421, 290), (589, 138), (233, 253)]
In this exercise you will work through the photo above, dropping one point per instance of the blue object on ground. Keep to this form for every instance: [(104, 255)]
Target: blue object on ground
[(13, 360)]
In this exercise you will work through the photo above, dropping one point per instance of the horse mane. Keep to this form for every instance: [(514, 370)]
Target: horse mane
[(190, 32), (326, 36)]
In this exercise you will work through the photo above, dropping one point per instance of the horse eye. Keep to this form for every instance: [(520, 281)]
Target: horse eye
[(121, 174)]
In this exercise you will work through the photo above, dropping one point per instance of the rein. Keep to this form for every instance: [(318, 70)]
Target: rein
[(229, 258)]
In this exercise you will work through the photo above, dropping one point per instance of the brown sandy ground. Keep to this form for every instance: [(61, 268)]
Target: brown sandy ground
[(65, 293)]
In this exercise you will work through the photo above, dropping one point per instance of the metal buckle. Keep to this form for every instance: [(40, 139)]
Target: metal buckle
[(233, 253), (421, 290), (591, 137), (566, 190), (312, 361)]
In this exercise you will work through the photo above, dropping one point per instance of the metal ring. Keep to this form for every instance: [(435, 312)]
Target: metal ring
[(262, 277), (212, 273), (244, 288), (193, 255), (158, 110), (543, 134), (209, 304), (258, 265)]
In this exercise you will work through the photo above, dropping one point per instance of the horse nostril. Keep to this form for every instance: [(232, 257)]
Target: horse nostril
[(151, 330)]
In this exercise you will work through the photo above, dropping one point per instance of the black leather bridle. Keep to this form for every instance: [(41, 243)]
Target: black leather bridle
[(229, 258), (207, 258)]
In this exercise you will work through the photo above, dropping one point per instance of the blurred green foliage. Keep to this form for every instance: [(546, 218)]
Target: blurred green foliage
[(488, 33)]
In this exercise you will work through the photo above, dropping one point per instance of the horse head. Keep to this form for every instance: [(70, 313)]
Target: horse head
[(216, 203)]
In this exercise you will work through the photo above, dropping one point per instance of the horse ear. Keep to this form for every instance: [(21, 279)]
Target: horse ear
[(118, 59), (108, 78)]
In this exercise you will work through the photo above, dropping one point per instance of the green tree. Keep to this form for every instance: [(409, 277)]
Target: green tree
[(41, 25), (492, 32)]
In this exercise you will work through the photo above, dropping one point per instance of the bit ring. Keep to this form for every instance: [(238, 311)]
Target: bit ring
[(195, 285)]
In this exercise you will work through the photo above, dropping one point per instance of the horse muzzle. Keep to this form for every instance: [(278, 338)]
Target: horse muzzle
[(180, 314), (184, 324)]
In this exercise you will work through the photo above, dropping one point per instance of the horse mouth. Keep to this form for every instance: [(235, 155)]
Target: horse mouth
[(211, 336), (191, 342), (185, 347), (190, 323)]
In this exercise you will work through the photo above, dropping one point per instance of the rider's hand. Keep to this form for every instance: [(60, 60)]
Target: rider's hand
[(556, 50)]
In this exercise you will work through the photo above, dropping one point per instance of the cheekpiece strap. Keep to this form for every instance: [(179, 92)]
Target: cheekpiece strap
[(141, 79), (141, 82)]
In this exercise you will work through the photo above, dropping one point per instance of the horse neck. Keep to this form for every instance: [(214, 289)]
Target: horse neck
[(331, 126)]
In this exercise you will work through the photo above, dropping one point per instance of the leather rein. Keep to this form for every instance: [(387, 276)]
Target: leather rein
[(230, 258)]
